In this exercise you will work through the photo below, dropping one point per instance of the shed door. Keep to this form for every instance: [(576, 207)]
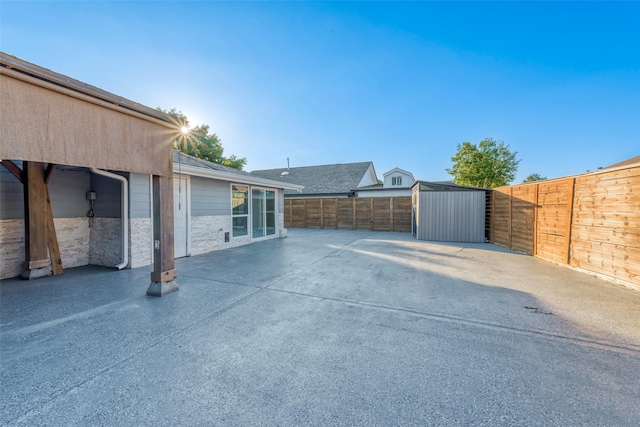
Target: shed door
[(180, 217)]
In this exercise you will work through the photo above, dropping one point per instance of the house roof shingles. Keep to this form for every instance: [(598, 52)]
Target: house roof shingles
[(322, 179), (185, 159)]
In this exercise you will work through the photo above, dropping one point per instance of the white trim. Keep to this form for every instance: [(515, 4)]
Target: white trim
[(187, 202), (151, 213), (234, 178), (247, 215)]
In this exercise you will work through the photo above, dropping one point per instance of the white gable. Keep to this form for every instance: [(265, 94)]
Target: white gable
[(398, 178)]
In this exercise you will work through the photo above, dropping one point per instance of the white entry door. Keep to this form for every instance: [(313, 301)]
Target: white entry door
[(180, 216)]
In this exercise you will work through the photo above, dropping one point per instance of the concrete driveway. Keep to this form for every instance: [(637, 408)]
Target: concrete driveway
[(324, 328)]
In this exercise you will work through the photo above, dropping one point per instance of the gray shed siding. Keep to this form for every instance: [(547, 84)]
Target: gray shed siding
[(450, 216), (209, 197)]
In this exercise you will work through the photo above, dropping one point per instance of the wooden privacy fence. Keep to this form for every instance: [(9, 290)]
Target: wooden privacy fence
[(356, 213), (589, 221)]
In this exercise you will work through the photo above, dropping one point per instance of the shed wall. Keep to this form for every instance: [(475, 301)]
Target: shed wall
[(449, 216)]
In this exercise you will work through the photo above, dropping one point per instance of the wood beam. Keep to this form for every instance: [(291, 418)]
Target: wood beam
[(35, 222), (48, 172), (14, 169), (164, 272), (52, 238)]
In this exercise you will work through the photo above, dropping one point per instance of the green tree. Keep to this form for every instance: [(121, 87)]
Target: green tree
[(489, 164), (534, 177), (198, 142)]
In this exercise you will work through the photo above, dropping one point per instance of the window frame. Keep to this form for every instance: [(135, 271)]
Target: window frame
[(249, 214), (244, 215)]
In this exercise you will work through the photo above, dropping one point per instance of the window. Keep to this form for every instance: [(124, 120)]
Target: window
[(253, 204), (396, 180), (240, 210)]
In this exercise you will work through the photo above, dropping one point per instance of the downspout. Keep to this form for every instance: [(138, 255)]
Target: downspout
[(124, 206)]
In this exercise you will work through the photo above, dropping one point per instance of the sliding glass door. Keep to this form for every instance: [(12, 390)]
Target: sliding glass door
[(263, 205)]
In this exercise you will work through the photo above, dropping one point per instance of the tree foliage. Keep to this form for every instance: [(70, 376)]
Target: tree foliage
[(489, 164), (534, 177), (202, 144)]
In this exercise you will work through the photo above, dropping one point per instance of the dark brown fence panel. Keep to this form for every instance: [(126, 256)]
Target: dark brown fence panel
[(382, 219), (330, 210), (371, 213), (364, 213), (589, 221), (402, 214), (345, 214), (314, 213), (299, 214)]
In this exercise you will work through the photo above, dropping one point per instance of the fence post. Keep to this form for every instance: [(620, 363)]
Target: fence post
[(510, 216), (569, 220), (290, 213), (391, 212), (371, 225), (321, 213), (535, 220), (306, 214), (353, 213)]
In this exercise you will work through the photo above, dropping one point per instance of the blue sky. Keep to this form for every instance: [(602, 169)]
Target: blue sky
[(400, 84)]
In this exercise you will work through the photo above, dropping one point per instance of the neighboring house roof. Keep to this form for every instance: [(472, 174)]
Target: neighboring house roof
[(323, 179), (628, 162), (189, 165)]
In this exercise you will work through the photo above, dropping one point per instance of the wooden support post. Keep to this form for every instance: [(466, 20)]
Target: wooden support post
[(569, 218), (37, 263), (164, 272), (321, 213), (391, 212), (337, 205), (52, 238), (535, 220)]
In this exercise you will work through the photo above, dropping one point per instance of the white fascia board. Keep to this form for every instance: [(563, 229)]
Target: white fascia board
[(233, 177)]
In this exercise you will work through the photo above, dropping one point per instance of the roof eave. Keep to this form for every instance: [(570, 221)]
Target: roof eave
[(233, 177)]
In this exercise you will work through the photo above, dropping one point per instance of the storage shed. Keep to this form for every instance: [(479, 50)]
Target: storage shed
[(446, 212)]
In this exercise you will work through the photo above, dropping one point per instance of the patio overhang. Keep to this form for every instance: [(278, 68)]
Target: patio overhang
[(49, 118)]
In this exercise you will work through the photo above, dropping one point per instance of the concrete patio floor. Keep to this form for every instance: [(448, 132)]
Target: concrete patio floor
[(324, 328)]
